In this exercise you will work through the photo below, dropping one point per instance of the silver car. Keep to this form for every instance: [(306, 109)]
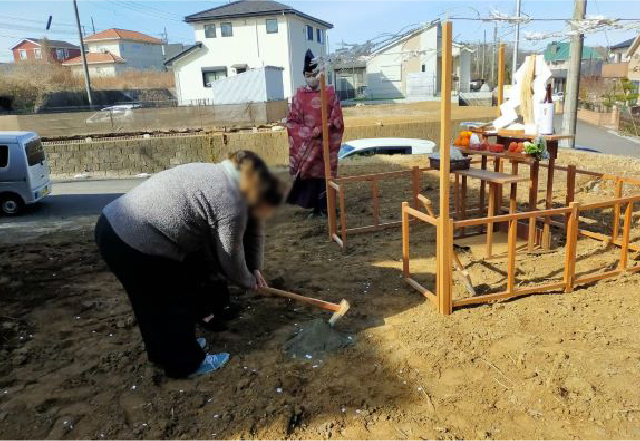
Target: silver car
[(24, 171)]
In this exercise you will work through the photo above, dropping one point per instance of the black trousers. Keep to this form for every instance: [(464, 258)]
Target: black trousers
[(168, 297)]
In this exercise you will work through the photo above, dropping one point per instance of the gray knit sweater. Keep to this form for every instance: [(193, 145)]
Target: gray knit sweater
[(187, 209)]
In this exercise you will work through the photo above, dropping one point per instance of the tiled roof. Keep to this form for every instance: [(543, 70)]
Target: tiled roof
[(183, 53), (623, 45), (562, 53), (124, 34), (52, 43), (251, 8), (95, 59)]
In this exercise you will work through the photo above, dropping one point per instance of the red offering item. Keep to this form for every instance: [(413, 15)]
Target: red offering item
[(483, 147), (496, 148), (476, 147), (513, 147)]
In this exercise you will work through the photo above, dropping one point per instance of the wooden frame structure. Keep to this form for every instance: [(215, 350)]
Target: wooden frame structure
[(441, 296)]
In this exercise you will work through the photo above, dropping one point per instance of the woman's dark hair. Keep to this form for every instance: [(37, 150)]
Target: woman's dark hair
[(266, 187)]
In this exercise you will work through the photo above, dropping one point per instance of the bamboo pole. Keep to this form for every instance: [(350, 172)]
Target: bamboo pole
[(445, 226), (328, 174)]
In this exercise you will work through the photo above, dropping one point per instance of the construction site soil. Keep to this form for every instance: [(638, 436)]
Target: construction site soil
[(554, 366)]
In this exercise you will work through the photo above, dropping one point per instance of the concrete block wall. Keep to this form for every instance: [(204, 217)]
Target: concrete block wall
[(150, 155)]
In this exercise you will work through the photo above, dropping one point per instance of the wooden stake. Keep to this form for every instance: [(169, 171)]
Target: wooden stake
[(533, 202), (513, 197), (511, 265), (571, 188), (405, 241), (546, 235), (501, 69), (445, 226), (616, 209), (624, 252), (571, 247), (328, 174), (490, 214)]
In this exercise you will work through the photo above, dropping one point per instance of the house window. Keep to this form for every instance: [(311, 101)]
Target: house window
[(61, 53), (4, 155), (210, 31), (211, 74), (23, 54), (319, 35), (37, 52), (272, 25), (309, 33), (225, 29), (423, 68)]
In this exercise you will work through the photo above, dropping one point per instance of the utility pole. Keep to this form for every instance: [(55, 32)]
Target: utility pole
[(494, 52), (484, 46), (87, 80), (573, 76), (93, 27), (514, 66)]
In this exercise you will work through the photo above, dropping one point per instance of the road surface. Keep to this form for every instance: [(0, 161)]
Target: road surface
[(602, 140)]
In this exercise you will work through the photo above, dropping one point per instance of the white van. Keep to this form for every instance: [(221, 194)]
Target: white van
[(24, 171)]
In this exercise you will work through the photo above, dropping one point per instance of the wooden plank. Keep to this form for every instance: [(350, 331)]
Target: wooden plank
[(328, 174), (571, 248), (375, 201), (511, 260), (533, 203), (379, 176), (607, 239), (595, 205), (599, 276), (422, 216), (624, 251), (616, 209), (456, 193), (507, 217), (492, 176), (422, 290), (490, 213), (405, 240), (463, 199), (445, 226), (506, 294)]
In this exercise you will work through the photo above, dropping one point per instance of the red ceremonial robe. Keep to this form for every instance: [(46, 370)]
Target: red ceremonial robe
[(304, 127)]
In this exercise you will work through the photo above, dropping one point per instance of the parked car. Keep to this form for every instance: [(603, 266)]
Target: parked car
[(385, 146), (24, 171), (111, 113)]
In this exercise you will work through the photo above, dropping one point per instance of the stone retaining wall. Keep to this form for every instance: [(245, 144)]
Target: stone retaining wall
[(131, 156)]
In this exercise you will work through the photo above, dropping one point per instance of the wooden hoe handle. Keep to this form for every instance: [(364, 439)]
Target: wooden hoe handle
[(316, 302)]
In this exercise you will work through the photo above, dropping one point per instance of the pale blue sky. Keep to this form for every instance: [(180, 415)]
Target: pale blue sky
[(354, 21)]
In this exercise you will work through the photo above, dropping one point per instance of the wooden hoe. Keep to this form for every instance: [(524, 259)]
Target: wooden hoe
[(339, 310)]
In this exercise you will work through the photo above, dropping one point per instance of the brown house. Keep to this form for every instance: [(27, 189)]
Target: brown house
[(36, 49)]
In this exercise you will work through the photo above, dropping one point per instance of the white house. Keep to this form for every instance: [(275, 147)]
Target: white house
[(114, 51), (242, 35), (410, 66)]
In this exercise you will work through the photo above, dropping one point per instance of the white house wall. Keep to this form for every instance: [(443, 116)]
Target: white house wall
[(249, 45)]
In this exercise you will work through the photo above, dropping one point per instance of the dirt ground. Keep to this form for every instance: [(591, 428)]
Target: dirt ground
[(72, 364)]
